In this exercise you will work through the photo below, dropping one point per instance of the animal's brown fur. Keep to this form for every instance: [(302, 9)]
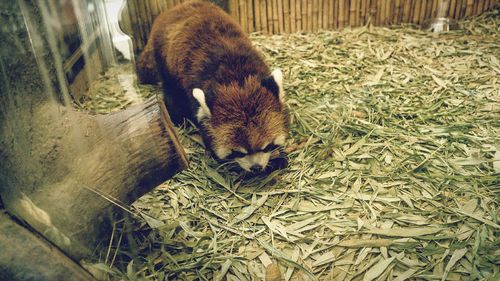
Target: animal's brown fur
[(197, 45)]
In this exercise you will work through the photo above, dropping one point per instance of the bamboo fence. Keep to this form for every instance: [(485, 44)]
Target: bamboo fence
[(288, 16)]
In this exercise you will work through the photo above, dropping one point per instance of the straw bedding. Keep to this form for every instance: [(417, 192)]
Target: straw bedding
[(394, 168)]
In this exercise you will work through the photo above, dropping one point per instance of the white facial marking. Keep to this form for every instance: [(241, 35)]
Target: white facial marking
[(258, 158), (222, 152), (280, 140), (203, 111), (278, 78)]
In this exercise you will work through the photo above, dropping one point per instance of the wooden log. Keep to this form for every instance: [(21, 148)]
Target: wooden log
[(25, 256), (293, 19)]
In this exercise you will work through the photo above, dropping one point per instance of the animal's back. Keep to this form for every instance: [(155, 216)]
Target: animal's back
[(198, 45)]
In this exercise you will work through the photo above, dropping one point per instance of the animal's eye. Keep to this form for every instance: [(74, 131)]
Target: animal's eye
[(270, 147), (236, 154)]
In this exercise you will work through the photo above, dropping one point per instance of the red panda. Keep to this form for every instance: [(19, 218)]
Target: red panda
[(213, 76)]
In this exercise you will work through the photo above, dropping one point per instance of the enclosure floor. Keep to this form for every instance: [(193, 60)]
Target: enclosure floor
[(394, 167)]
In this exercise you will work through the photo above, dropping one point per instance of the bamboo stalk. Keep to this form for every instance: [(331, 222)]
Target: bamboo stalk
[(415, 10), (148, 16), (396, 18), (155, 10), (280, 15), (456, 13), (474, 8), (480, 6), (136, 38), (463, 9), (388, 12), (258, 26), (329, 14), (378, 15), (269, 8), (469, 10), (326, 8), (298, 15), (352, 12), (250, 16), (341, 14), (320, 15), (486, 5), (143, 18), (293, 20), (334, 18), (286, 15), (451, 10), (309, 22), (423, 7), (315, 15), (428, 10), (263, 16), (346, 12), (232, 7), (406, 11), (243, 15), (170, 3), (372, 12), (159, 5), (362, 12), (276, 24), (435, 9)]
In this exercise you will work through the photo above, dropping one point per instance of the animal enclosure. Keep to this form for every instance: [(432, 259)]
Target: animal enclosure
[(289, 16)]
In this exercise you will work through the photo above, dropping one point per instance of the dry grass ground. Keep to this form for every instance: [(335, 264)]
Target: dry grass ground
[(394, 168)]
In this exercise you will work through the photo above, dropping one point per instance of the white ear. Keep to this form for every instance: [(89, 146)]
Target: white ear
[(278, 78), (203, 111)]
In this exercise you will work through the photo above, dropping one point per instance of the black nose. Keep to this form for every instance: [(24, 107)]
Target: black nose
[(256, 168)]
